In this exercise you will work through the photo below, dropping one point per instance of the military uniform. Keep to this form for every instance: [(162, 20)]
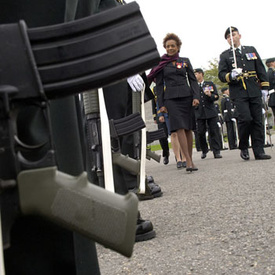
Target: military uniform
[(38, 246), (271, 78), (245, 92), (162, 125), (206, 115), (227, 108)]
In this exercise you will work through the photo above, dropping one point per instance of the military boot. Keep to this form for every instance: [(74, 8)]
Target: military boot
[(145, 230)]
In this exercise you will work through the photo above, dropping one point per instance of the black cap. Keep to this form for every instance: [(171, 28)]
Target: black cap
[(199, 70), (269, 60), (233, 29), (224, 89)]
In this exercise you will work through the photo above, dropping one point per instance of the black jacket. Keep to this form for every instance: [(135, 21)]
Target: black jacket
[(206, 108), (271, 78), (176, 81), (227, 108), (251, 63)]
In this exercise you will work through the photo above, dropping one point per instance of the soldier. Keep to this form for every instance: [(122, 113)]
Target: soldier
[(241, 67), (227, 112), (270, 63), (48, 249), (207, 115), (161, 119), (220, 125)]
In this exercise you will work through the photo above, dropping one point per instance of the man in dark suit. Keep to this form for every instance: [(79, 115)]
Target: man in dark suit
[(242, 68), (227, 113), (206, 115), (270, 63)]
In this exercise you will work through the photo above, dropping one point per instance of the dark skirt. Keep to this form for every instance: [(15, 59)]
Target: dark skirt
[(181, 113)]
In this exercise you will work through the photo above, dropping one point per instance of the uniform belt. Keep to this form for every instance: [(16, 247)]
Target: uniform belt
[(246, 75)]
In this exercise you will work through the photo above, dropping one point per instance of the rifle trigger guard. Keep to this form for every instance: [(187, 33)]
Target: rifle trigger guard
[(26, 146)]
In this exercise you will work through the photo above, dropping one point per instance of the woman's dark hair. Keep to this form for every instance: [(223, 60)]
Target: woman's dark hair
[(172, 36)]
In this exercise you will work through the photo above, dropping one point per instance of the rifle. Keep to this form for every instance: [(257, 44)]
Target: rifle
[(49, 63), (118, 128), (121, 127), (140, 137), (151, 137), (220, 123), (141, 150), (267, 131)]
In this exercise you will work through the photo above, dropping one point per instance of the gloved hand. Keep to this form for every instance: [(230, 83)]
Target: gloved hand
[(136, 82), (265, 95), (236, 72)]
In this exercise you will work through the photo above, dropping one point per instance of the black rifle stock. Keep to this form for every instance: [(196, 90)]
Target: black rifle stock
[(52, 62)]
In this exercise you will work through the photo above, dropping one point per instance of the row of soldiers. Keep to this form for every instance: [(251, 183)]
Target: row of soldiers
[(38, 246)]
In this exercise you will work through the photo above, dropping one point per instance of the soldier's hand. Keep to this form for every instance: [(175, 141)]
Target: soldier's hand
[(163, 109), (136, 82), (161, 119), (207, 91), (196, 102), (236, 72)]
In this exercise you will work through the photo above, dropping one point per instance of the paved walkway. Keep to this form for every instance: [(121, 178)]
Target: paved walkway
[(218, 220)]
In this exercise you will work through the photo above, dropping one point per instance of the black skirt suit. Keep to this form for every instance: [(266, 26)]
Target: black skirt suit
[(176, 87)]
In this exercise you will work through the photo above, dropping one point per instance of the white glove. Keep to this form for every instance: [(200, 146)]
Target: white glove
[(236, 72), (265, 95), (136, 82)]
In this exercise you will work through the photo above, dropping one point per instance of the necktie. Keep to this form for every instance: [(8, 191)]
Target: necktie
[(238, 50)]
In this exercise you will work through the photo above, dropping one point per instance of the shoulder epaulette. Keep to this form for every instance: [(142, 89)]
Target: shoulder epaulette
[(225, 51)]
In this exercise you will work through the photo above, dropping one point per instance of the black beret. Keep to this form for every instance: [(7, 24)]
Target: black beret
[(199, 70), (233, 29), (269, 60), (224, 89)]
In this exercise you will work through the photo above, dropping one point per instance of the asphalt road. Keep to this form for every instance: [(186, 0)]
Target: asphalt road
[(218, 220)]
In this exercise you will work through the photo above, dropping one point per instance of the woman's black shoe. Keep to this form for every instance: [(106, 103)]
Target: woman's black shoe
[(184, 164), (179, 164), (189, 169)]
